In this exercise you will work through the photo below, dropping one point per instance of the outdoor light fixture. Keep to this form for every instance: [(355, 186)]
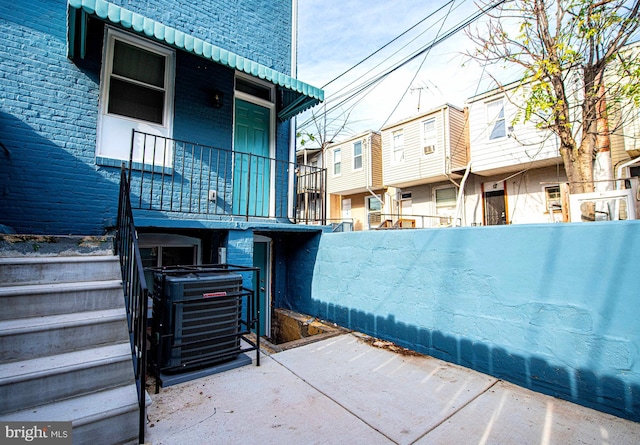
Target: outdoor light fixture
[(216, 98)]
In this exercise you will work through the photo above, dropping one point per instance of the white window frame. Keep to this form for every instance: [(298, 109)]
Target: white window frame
[(552, 205), (360, 156), (443, 219), (114, 131), (493, 119), (397, 146), (336, 162), (369, 212), (345, 208), (429, 138)]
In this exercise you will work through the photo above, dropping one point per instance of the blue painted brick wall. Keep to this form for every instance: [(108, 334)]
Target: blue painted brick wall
[(48, 109), (49, 104), (257, 29)]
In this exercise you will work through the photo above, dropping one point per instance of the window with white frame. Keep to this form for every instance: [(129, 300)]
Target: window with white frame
[(136, 92), (495, 119), (346, 208), (445, 200), (373, 205), (398, 145), (429, 137), (337, 162), (553, 199), (357, 155)]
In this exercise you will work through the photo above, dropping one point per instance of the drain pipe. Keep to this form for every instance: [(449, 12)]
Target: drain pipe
[(620, 167), (292, 124), (460, 193)]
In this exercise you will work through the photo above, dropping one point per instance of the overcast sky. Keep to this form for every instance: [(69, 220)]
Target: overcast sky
[(334, 35)]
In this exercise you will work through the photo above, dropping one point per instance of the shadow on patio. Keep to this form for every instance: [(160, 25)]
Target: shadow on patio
[(347, 390)]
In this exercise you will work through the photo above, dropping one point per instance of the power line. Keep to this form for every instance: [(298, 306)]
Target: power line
[(373, 82), (387, 44), (416, 74)]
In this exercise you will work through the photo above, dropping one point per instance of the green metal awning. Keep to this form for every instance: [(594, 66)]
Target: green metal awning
[(297, 96)]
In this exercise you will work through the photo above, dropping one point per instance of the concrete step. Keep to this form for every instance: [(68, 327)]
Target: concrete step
[(38, 300), (28, 383), (59, 269), (27, 338), (105, 417)]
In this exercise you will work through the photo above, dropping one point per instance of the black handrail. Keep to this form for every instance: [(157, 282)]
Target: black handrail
[(135, 293)]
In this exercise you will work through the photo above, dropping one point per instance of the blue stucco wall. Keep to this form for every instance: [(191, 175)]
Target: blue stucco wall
[(553, 308), (49, 181)]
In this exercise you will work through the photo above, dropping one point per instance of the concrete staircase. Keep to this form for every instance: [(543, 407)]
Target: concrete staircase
[(64, 346)]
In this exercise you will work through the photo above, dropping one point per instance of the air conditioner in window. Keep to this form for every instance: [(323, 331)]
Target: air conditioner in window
[(428, 149)]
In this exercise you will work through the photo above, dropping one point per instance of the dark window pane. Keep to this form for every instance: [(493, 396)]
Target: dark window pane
[(253, 89), (135, 101), (135, 63), (177, 256)]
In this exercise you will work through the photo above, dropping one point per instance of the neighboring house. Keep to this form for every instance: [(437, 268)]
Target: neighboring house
[(625, 137), (195, 97), (424, 158), (517, 168), (354, 181)]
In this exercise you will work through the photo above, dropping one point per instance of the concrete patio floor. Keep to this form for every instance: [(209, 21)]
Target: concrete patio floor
[(344, 390)]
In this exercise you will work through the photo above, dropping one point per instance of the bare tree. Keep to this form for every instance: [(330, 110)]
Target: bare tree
[(322, 129), (559, 42)]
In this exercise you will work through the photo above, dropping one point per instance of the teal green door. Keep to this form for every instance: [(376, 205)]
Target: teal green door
[(261, 256), (251, 164)]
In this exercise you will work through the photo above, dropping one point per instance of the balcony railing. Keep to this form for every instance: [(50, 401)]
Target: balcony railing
[(407, 221), (195, 180)]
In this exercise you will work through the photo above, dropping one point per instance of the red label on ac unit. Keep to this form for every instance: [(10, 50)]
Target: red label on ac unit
[(214, 294)]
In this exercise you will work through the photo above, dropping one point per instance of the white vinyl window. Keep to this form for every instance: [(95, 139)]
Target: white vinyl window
[(346, 208), (357, 155), (553, 199), (495, 119), (337, 162), (373, 205), (398, 145), (136, 92), (445, 200), (429, 137)]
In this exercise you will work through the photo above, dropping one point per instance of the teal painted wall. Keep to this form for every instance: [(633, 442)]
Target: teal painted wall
[(554, 308)]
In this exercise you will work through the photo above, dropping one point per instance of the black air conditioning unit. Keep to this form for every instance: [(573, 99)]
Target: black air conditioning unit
[(196, 320)]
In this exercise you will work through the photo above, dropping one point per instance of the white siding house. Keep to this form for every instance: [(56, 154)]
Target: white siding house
[(354, 181), (517, 168), (423, 157), (497, 144)]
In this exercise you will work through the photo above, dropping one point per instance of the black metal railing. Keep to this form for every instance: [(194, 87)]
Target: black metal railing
[(171, 175), (135, 293), (311, 194), (409, 221)]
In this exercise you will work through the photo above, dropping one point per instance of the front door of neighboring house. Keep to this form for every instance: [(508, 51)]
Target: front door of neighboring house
[(495, 210), (373, 207), (262, 288), (251, 165)]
